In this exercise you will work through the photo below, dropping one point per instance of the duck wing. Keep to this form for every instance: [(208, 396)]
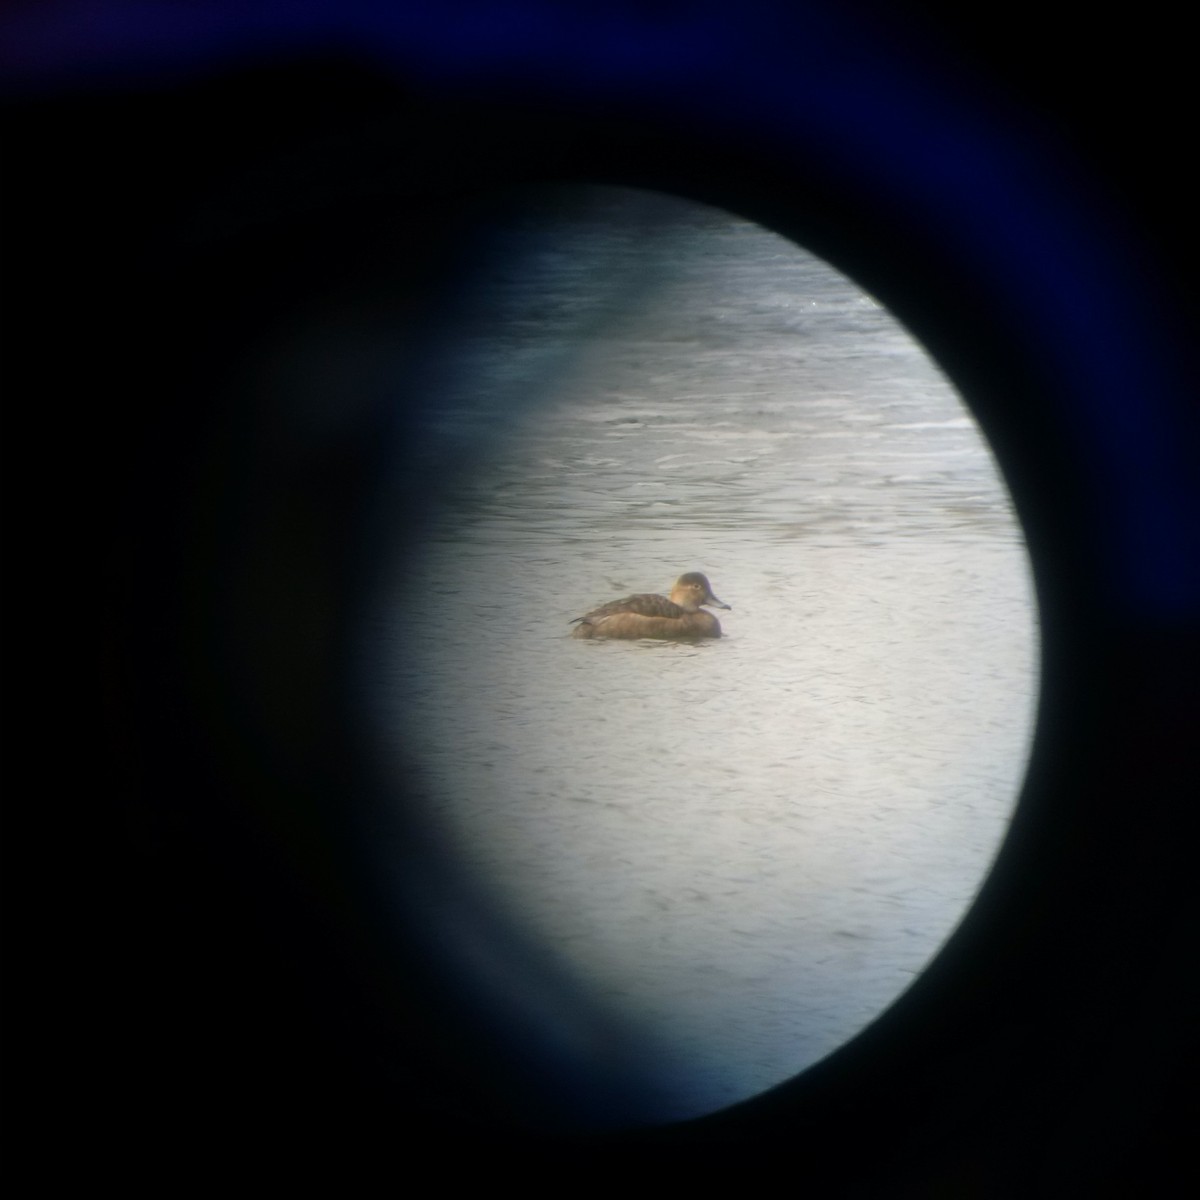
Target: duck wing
[(646, 605)]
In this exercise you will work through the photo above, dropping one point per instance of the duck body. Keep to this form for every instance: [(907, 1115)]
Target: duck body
[(647, 615)]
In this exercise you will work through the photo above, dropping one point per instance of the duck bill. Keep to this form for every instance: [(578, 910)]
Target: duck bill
[(715, 603)]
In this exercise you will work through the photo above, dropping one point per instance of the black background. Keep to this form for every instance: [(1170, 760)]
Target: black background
[(197, 975)]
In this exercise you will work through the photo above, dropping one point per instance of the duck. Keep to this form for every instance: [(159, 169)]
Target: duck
[(652, 616)]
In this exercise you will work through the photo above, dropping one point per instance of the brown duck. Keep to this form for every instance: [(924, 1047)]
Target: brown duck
[(653, 616)]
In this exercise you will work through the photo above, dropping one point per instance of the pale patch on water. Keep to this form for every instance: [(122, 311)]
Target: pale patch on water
[(745, 848)]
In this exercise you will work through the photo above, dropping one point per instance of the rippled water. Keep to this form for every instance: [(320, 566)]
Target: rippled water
[(743, 849)]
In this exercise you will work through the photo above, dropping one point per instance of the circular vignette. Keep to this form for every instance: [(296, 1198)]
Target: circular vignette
[(1014, 1047)]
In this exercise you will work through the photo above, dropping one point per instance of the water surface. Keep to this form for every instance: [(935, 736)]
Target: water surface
[(743, 849)]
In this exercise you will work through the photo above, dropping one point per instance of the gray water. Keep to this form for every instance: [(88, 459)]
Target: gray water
[(743, 850)]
